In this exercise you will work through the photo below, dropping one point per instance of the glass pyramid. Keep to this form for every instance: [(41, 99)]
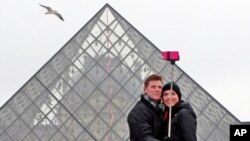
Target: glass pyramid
[(85, 91)]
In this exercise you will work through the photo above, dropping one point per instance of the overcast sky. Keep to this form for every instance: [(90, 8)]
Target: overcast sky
[(213, 38)]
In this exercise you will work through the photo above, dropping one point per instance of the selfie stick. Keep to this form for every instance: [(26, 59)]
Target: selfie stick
[(171, 56)]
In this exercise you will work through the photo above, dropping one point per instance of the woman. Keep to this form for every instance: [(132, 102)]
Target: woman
[(183, 117)]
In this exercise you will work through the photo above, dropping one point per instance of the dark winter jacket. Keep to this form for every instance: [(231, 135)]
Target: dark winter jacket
[(184, 124), (145, 121)]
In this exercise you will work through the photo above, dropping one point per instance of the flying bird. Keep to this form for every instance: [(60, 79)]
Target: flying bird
[(51, 11)]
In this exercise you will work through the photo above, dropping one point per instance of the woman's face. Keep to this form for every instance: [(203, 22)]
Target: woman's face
[(170, 98)]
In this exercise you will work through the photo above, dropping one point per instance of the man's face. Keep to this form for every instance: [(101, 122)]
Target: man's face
[(153, 90)]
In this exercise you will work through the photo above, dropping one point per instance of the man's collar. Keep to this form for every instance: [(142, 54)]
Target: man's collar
[(151, 102)]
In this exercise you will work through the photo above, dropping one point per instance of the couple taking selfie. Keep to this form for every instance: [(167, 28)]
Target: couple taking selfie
[(161, 114)]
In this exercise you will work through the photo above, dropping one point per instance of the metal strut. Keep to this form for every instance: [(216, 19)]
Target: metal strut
[(108, 65)]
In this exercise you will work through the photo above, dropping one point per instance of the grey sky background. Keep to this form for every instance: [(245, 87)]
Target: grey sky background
[(213, 38)]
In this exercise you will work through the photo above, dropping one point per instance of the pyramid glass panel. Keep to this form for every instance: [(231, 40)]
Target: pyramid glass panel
[(31, 137), (85, 114), (123, 100), (18, 127), (72, 101), (86, 90)]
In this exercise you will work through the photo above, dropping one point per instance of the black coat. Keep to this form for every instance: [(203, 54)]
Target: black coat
[(144, 121), (184, 124)]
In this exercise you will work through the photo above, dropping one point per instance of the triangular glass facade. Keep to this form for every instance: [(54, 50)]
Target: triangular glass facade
[(85, 91)]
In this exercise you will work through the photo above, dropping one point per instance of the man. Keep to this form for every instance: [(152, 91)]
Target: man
[(144, 119)]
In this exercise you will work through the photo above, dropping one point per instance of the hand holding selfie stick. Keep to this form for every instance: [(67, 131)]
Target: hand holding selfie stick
[(171, 56)]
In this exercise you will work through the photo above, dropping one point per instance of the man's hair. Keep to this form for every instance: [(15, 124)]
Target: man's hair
[(152, 77)]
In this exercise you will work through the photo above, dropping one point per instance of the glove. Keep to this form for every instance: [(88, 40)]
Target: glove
[(167, 139)]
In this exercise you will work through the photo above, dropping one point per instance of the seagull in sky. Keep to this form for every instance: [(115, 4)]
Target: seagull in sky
[(51, 11)]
